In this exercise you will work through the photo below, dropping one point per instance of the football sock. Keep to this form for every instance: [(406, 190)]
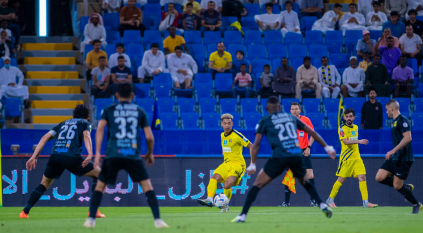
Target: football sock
[(363, 189), (153, 203), (211, 188), (408, 195), (35, 196), (93, 185), (251, 197), (95, 203), (228, 193), (388, 181), (287, 194), (335, 189), (311, 189), (312, 181)]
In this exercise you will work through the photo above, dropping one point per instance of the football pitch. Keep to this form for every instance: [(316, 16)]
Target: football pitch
[(202, 219)]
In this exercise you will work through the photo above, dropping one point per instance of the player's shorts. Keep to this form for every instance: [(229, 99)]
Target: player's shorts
[(228, 169), (307, 161), (400, 169), (58, 163), (111, 167), (275, 166), (350, 168)]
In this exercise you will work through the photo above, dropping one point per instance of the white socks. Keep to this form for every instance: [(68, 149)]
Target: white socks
[(323, 205)]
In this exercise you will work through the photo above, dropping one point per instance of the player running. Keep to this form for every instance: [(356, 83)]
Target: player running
[(124, 121), (65, 154), (350, 162), (233, 166), (280, 129), (395, 169)]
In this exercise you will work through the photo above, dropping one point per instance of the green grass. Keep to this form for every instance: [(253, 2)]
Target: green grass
[(201, 219)]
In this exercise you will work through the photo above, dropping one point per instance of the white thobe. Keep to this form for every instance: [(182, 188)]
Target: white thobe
[(185, 62), (113, 5), (375, 25), (344, 25), (8, 75), (413, 4), (269, 20), (113, 60), (6, 49), (9, 33), (150, 63), (326, 23), (290, 22), (352, 75), (92, 32), (364, 6), (335, 79), (217, 3)]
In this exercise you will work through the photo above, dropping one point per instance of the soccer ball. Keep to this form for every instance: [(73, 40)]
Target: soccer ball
[(221, 201)]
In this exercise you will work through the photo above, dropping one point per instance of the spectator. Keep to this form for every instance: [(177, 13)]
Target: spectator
[(372, 112), (182, 68), (399, 6), (330, 84), (189, 19), (411, 45), (240, 60), (366, 62), (196, 7), (94, 30), (284, 81), (397, 27), (4, 28), (365, 45), (6, 48), (217, 5), (153, 63), (8, 13), (352, 20), (131, 18), (289, 20), (375, 18), (266, 79), (403, 78), (111, 6), (415, 5), (19, 16), (211, 19), (311, 8), (244, 81), (91, 61), (389, 54), (173, 40), (307, 79), (365, 6), (233, 8), (9, 87), (377, 77), (220, 61), (268, 21), (329, 20), (382, 40), (113, 60), (171, 17), (415, 23), (353, 80), (101, 80), (120, 74)]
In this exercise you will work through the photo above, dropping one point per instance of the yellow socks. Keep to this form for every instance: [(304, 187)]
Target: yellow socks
[(211, 188), (336, 188), (363, 189), (228, 193)]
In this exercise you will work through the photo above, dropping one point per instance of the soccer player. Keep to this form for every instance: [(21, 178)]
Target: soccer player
[(350, 162), (124, 120), (280, 129), (395, 169), (65, 154), (233, 167)]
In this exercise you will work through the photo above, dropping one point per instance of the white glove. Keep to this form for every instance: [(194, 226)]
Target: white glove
[(252, 167), (329, 149)]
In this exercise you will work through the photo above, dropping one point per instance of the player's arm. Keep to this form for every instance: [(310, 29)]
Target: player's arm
[(89, 146), (32, 162), (310, 142), (403, 143), (329, 149), (254, 152), (352, 142), (149, 137), (98, 141)]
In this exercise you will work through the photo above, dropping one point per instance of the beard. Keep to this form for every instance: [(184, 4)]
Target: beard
[(349, 122)]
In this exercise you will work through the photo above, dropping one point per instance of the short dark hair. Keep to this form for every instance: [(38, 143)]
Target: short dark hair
[(288, 2), (241, 52), (349, 110), (121, 57), (394, 13), (337, 5), (189, 4), (178, 48), (377, 55), (324, 58), (4, 32), (391, 38), (394, 103), (268, 5), (306, 58), (81, 111), (284, 58), (96, 41), (120, 45), (412, 11), (154, 45), (273, 100), (368, 53), (101, 57), (266, 66), (243, 64), (171, 3), (372, 88), (403, 56), (211, 2), (376, 3), (125, 90), (295, 104), (353, 4)]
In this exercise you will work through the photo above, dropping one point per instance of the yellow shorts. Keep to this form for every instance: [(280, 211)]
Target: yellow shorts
[(351, 168), (228, 169)]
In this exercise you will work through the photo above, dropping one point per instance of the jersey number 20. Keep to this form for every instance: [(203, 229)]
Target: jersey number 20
[(122, 126), (289, 128)]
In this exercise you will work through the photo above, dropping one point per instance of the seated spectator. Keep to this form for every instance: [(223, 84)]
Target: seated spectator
[(19, 18), (8, 13), (289, 20), (173, 40), (240, 60), (364, 7), (169, 17), (268, 21), (399, 6), (352, 20), (111, 6), (415, 5), (153, 63), (131, 18), (397, 27), (366, 62), (382, 40), (311, 8), (113, 60), (217, 6), (377, 77), (220, 61), (120, 74), (91, 61), (196, 7), (94, 30), (307, 79), (365, 45), (211, 19), (244, 81), (329, 79), (9, 87), (233, 8), (372, 112), (284, 81), (415, 23), (266, 80), (182, 68), (329, 20), (189, 19), (375, 18), (411, 45), (389, 54), (353, 80), (3, 27), (403, 78), (6, 47), (101, 80)]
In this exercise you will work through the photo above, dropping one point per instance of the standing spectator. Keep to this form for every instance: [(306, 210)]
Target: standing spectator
[(4, 28), (397, 27), (268, 21), (307, 79), (372, 112), (233, 8), (240, 60), (375, 18), (382, 40), (352, 20), (289, 20), (153, 63), (389, 54), (101, 87), (9, 87), (173, 40), (220, 61), (217, 5), (113, 60), (366, 62), (415, 5), (196, 7), (415, 23), (6, 48), (211, 19), (329, 79), (266, 79), (399, 6), (8, 13), (131, 18), (377, 77), (411, 45), (284, 81), (189, 19), (91, 61), (120, 74), (94, 30), (19, 16), (244, 81), (311, 8), (365, 6), (366, 45), (111, 6), (182, 68), (329, 20), (353, 80), (171, 17), (403, 78)]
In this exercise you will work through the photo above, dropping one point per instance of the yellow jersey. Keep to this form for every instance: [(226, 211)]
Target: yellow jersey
[(232, 146), (220, 61), (349, 152)]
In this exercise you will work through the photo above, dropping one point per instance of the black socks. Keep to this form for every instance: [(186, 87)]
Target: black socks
[(251, 197), (153, 203), (35, 196)]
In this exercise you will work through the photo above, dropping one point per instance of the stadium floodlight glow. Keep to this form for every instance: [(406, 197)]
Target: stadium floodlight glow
[(42, 17)]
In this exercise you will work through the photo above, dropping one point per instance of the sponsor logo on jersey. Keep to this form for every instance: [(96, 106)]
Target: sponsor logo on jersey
[(405, 124), (226, 149), (257, 126), (225, 142), (294, 151), (61, 150), (342, 133), (353, 138), (127, 151), (230, 140), (353, 133), (301, 133), (395, 124), (68, 143)]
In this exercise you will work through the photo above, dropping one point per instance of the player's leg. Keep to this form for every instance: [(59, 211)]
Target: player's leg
[(362, 184), (406, 192), (95, 203), (310, 175), (36, 195), (385, 173), (230, 181), (312, 191), (218, 177), (335, 189), (94, 173)]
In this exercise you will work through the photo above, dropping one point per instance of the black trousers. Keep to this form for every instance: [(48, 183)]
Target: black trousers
[(124, 27)]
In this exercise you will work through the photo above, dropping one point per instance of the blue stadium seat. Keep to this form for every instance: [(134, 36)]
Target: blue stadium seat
[(203, 84), (152, 8), (262, 106), (257, 81), (418, 121), (296, 63), (297, 51), (418, 105), (293, 38), (110, 49), (311, 105), (286, 103), (313, 38), (256, 51), (307, 22), (205, 78), (251, 120), (318, 50), (275, 64), (252, 37), (166, 34), (100, 103), (193, 37), (198, 53), (252, 9), (211, 120), (249, 105), (13, 107), (333, 120), (383, 101), (189, 120), (82, 23), (132, 36), (162, 85), (223, 83), (146, 104), (404, 105), (258, 65), (334, 41), (88, 48), (276, 9), (228, 106), (207, 105), (111, 21), (151, 36), (162, 78), (375, 34), (151, 21), (228, 20), (135, 50), (316, 62), (233, 48), (112, 37), (272, 37), (355, 103), (135, 63), (341, 61), (277, 51), (178, 7), (232, 37), (212, 37), (249, 22), (351, 39), (318, 120), (331, 105), (166, 105), (412, 63), (142, 90), (211, 48), (169, 120), (186, 105)]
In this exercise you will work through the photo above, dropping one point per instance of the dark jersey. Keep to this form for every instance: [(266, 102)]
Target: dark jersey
[(400, 126), (124, 121), (281, 131), (69, 136)]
